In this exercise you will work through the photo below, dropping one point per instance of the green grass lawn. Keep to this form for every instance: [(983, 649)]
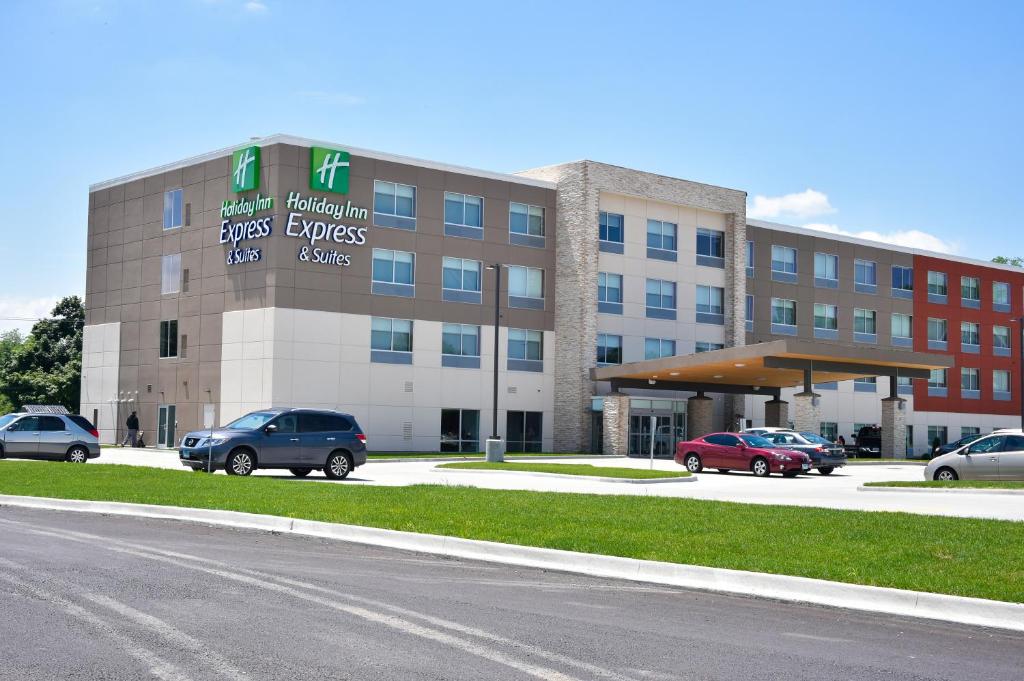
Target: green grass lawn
[(953, 484), (962, 556), (572, 469), (453, 455)]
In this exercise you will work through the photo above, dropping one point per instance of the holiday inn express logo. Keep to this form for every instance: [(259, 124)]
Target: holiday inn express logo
[(328, 170), (245, 169)]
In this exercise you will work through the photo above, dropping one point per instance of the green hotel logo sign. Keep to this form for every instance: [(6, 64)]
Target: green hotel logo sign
[(245, 169), (328, 170)]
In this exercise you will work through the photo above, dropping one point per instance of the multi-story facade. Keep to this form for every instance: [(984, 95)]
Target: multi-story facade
[(358, 280)]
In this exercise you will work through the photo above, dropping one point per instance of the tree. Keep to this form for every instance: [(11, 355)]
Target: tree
[(45, 367), (1004, 260)]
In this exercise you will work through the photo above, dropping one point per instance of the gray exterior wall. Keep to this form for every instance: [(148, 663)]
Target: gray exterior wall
[(126, 242)]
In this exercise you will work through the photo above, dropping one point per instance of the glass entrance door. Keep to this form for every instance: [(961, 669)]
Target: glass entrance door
[(640, 435), (165, 426)]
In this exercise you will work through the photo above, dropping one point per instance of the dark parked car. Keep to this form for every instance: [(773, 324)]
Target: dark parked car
[(867, 442), (300, 440), (953, 446), (825, 456), (740, 452), (60, 437)]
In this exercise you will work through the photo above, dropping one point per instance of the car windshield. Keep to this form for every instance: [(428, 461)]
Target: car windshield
[(253, 421), (815, 438), (7, 418), (756, 441)]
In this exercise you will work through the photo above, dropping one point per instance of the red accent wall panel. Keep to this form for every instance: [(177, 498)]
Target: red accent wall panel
[(955, 313)]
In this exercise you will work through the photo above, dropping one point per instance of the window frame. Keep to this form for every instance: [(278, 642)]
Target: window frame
[(169, 210), (167, 278), (168, 339), (394, 219), (821, 279), (463, 229), (834, 317), (662, 342), (602, 343)]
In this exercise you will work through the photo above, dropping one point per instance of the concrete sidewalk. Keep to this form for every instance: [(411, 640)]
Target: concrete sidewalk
[(839, 490)]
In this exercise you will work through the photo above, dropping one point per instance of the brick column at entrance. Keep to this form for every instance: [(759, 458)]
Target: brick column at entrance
[(806, 413), (615, 418), (700, 416), (894, 428), (776, 413)]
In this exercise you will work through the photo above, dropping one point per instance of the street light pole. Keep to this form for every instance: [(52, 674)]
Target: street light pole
[(1020, 369), (495, 450)]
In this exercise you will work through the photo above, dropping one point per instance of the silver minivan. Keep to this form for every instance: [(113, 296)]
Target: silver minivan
[(59, 437), (999, 456)]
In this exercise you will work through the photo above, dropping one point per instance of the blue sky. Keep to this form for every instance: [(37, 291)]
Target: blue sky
[(898, 119)]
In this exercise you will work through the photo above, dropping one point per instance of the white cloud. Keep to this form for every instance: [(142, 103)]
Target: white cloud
[(805, 204), (339, 98), (910, 238), (18, 312), (256, 7)]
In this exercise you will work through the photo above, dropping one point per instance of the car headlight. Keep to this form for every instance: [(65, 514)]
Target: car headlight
[(213, 441), (783, 457)]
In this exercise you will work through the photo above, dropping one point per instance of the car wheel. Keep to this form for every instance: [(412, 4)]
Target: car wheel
[(300, 472), (946, 475), (723, 470), (693, 463), (338, 466), (760, 467), (240, 462), (826, 470), (77, 455)]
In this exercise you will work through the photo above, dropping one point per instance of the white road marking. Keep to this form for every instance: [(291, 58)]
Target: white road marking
[(811, 637), (179, 638), (397, 623), (157, 666)]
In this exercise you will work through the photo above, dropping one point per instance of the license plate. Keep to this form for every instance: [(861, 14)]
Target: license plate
[(806, 466)]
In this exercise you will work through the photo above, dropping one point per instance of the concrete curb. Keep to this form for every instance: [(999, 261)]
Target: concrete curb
[(972, 611), (940, 490), (565, 476)]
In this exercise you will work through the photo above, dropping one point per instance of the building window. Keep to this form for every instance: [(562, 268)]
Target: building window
[(970, 336), (864, 322), (829, 430), (661, 235), (783, 263), (460, 346), (523, 431), (661, 299), (393, 273), (970, 382), (391, 340), (170, 274), (826, 270), (710, 304), (1000, 296), (169, 338), (970, 292), (460, 280), (750, 258), (526, 344), (710, 247), (612, 231), (937, 435), (173, 208), (937, 335), (937, 286), (707, 346), (937, 378), (525, 219), (1001, 384), (783, 316), (902, 330), (865, 276), (1001, 340), (656, 348), (609, 349), (826, 317), (750, 312), (463, 215), (460, 430), (865, 384), (609, 293), (394, 205), (526, 287), (902, 281)]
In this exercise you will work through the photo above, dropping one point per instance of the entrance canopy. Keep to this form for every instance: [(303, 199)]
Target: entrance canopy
[(766, 368)]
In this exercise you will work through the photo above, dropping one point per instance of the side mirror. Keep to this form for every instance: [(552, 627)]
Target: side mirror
[(272, 428), (965, 451), (742, 445)]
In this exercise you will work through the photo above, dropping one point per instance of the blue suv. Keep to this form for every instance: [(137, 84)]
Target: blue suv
[(300, 440)]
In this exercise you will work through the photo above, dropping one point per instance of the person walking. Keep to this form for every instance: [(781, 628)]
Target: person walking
[(133, 430)]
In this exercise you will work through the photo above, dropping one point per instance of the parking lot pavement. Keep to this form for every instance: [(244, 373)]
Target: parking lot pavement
[(838, 490), (89, 597)]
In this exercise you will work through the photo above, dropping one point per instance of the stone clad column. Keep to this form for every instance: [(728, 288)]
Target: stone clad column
[(700, 416), (806, 412), (776, 413), (894, 423), (615, 418)]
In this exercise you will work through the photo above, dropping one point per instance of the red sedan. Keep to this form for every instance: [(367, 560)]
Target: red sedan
[(740, 452)]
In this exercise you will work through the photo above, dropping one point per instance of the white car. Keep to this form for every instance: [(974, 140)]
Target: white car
[(997, 456)]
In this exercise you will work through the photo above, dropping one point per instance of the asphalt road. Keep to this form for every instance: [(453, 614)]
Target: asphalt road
[(91, 597)]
